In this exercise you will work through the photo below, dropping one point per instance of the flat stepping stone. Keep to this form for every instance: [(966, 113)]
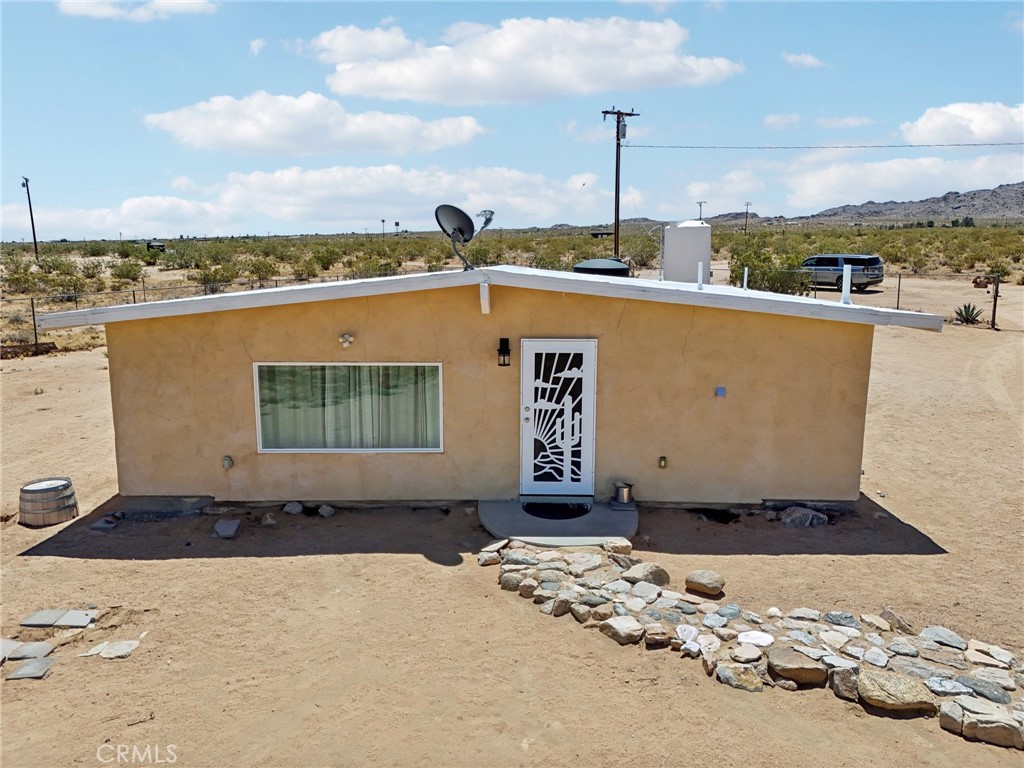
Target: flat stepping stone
[(121, 649), (6, 646), (45, 618), (226, 529), (96, 649), (35, 650), (76, 618), (33, 669)]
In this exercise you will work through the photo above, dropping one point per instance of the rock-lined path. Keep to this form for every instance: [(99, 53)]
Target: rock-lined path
[(877, 660)]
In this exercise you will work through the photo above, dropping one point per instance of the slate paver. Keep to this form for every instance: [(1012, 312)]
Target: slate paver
[(35, 650), (121, 649), (44, 618), (226, 529), (6, 646), (33, 669), (96, 649), (76, 618)]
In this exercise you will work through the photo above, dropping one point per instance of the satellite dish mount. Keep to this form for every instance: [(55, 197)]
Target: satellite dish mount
[(458, 227)]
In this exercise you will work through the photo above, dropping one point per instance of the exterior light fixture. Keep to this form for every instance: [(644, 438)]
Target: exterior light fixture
[(504, 353), (346, 339)]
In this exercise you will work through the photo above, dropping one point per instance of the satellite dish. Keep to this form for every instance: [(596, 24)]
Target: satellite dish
[(458, 227)]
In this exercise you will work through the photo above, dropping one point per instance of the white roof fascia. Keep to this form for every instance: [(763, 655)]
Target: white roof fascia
[(266, 297), (717, 296), (669, 292)]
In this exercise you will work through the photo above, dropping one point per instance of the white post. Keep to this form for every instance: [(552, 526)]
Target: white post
[(846, 285), (700, 275), (661, 254), (746, 271)]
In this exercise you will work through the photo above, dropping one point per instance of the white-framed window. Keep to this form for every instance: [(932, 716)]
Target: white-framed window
[(348, 407)]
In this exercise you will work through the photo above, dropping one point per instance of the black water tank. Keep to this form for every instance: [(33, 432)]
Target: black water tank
[(612, 267)]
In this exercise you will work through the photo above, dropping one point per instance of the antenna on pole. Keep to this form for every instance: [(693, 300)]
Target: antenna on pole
[(620, 134)]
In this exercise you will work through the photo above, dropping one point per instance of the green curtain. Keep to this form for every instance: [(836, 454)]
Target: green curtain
[(350, 407)]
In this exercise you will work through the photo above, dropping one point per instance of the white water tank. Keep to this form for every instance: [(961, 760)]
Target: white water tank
[(687, 244)]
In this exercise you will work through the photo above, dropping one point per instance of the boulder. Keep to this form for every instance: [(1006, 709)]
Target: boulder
[(951, 717), (687, 633), (801, 517), (985, 689), (804, 614), (875, 621), (635, 604), (741, 676), (787, 663), (977, 657), (713, 620), (709, 660), (326, 510), (901, 647), (268, 521), (655, 636), (602, 612), (896, 621), (842, 619), (729, 611), (705, 582), (756, 638), (622, 629), (649, 572), (876, 656), (510, 581), (843, 682), (944, 636), (292, 508), (889, 691), (745, 653), (993, 651), (488, 558), (646, 591), (518, 557), (833, 639), (527, 587), (618, 545)]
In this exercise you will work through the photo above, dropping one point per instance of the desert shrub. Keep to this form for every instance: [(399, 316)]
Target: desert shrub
[(127, 269), (186, 255), (767, 271), (641, 250), (434, 262), (57, 265), (999, 266), (326, 256), (18, 274), (93, 269), (968, 314), (95, 248), (61, 287), (375, 266), (213, 276), (259, 268), (306, 268)]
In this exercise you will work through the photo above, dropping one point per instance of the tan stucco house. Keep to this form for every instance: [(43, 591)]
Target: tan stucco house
[(395, 389)]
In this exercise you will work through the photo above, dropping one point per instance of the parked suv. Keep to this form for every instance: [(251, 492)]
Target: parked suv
[(827, 269)]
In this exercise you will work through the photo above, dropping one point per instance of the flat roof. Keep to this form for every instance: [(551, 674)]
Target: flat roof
[(639, 289)]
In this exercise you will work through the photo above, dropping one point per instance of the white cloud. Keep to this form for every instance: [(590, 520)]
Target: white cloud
[(309, 124), (852, 121), (967, 123), (333, 199), (726, 194), (820, 187), (781, 122), (116, 10), (183, 184), (516, 62), (256, 46), (658, 6), (804, 60)]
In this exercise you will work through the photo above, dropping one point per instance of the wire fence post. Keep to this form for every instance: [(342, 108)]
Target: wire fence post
[(35, 328), (995, 302), (899, 284)]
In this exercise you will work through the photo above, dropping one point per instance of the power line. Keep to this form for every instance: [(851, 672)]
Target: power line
[(823, 146)]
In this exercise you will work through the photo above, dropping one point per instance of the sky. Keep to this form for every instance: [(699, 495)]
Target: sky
[(201, 118)]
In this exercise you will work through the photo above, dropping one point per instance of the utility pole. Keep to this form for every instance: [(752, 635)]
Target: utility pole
[(620, 134), (700, 209), (382, 230), (745, 215), (32, 218)]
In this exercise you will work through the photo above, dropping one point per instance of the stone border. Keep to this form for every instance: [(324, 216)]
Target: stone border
[(876, 660)]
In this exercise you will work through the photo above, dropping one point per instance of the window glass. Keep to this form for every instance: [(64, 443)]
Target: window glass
[(349, 407)]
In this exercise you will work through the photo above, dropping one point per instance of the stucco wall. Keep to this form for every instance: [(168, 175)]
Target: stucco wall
[(790, 426)]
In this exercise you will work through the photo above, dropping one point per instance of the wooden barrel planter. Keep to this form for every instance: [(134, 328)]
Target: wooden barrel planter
[(47, 501)]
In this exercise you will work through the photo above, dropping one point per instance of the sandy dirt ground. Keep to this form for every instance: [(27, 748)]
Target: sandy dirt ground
[(373, 638)]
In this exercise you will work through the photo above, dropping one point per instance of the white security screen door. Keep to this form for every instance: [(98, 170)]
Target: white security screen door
[(557, 417)]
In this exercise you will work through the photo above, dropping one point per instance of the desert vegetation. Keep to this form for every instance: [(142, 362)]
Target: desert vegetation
[(72, 274)]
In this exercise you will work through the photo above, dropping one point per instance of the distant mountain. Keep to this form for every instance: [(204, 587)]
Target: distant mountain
[(1004, 203)]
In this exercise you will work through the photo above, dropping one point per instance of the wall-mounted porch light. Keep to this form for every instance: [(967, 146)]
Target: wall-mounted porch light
[(504, 353)]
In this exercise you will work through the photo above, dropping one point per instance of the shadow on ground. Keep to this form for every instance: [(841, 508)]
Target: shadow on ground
[(869, 530), (443, 534), (437, 533)]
